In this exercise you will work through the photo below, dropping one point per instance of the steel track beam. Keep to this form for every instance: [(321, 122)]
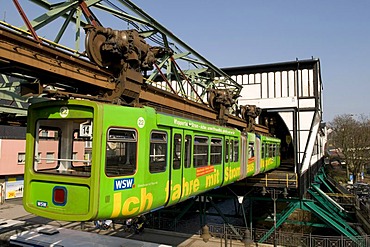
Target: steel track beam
[(23, 55), (19, 54), (170, 103)]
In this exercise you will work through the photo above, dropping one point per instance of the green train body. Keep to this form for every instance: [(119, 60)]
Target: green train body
[(88, 160)]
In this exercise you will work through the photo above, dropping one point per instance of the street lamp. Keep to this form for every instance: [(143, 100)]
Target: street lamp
[(274, 196), (205, 234), (247, 240)]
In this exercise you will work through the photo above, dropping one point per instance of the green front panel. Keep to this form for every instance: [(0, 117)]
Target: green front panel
[(81, 201), (77, 200)]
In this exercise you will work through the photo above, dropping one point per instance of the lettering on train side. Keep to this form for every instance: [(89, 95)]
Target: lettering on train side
[(190, 187), (251, 164), (124, 183), (132, 205), (212, 179), (201, 126), (231, 173)]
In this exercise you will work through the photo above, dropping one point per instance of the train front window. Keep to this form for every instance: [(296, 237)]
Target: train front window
[(63, 147)]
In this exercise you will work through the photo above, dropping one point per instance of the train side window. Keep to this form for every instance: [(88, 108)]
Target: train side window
[(176, 151), (231, 151), (271, 151), (188, 145), (121, 152), (158, 152), (251, 150), (227, 150), (263, 151), (216, 151), (236, 150), (200, 151)]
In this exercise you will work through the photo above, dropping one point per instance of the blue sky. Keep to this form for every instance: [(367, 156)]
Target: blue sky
[(240, 32)]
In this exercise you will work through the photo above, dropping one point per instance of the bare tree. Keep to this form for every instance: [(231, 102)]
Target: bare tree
[(353, 137)]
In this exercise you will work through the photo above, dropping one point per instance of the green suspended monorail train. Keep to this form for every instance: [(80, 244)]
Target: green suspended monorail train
[(88, 160)]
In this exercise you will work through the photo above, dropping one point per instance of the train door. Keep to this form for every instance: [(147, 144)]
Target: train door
[(227, 159), (263, 151), (188, 170), (231, 160), (259, 154), (181, 153), (243, 157), (174, 190), (156, 178)]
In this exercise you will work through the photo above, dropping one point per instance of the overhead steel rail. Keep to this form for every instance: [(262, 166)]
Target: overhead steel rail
[(78, 77), (118, 14), (21, 55), (140, 65)]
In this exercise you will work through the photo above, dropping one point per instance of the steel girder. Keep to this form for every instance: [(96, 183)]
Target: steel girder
[(70, 17)]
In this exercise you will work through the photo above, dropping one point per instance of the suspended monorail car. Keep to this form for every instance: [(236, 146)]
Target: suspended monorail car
[(88, 160)]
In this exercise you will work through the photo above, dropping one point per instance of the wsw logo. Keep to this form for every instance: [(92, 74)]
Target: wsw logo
[(123, 184)]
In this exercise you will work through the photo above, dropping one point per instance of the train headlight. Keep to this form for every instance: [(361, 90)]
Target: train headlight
[(59, 195)]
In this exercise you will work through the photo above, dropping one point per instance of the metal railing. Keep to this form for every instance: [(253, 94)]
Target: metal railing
[(226, 233)]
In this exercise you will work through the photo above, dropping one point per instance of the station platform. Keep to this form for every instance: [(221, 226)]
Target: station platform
[(18, 226)]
